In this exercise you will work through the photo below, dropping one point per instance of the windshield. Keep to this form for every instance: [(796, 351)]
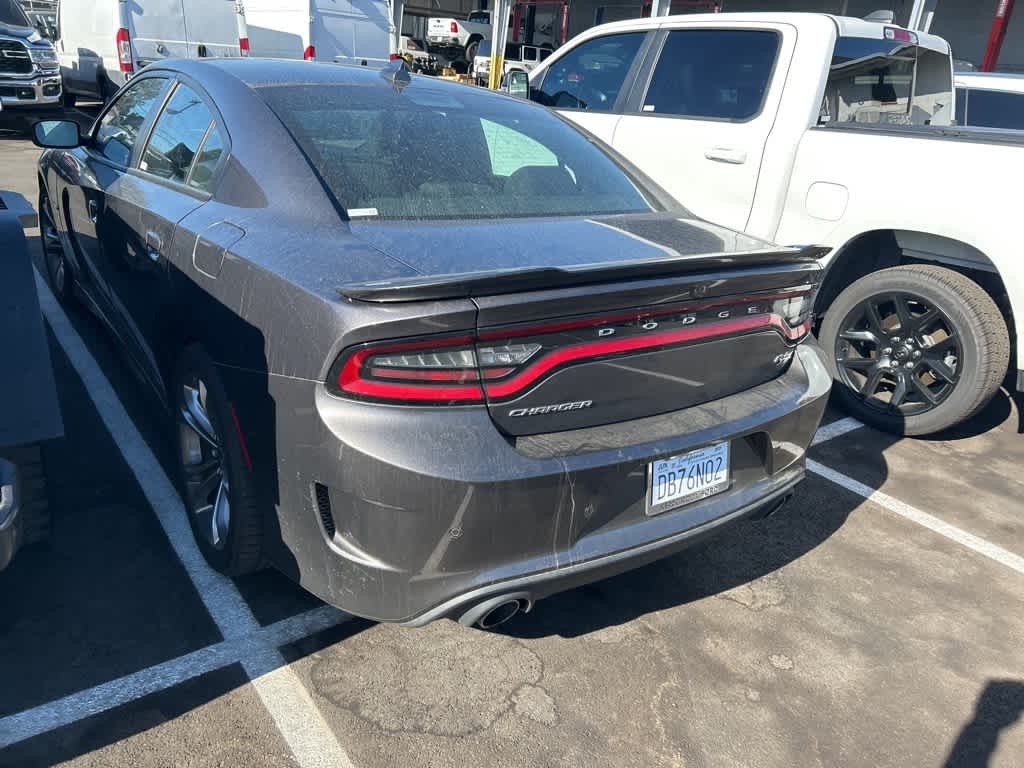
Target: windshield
[(11, 14), (884, 81), (390, 154)]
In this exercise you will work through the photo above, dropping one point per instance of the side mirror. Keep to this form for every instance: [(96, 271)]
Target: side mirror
[(518, 84), (56, 134)]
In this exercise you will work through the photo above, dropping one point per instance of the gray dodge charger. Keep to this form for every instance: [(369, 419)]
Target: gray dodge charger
[(429, 350)]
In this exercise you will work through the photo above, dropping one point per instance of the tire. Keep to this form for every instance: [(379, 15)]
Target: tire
[(34, 498), (59, 274), (940, 373), (469, 52), (235, 546)]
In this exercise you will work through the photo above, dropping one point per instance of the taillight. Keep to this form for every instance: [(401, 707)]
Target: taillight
[(503, 364), (124, 50), (243, 46), (454, 27), (394, 56), (310, 53)]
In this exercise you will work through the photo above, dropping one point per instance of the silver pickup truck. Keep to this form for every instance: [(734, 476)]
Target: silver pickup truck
[(29, 70)]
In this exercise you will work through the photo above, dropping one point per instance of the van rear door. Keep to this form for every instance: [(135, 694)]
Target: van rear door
[(352, 32), (157, 29), (211, 28)]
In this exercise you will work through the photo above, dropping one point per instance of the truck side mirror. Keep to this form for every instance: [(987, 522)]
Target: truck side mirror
[(56, 134), (518, 84)]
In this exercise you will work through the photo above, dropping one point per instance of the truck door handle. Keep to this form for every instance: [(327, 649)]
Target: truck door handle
[(94, 211), (153, 245), (726, 155)]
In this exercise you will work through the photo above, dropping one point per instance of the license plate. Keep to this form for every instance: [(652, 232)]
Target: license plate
[(679, 480)]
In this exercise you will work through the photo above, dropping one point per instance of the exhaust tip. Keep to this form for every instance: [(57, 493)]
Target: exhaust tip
[(496, 611)]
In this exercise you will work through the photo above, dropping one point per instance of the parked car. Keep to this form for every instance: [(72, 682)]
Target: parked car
[(460, 37), (518, 58), (429, 384), (320, 30), (990, 100), (804, 128), (417, 56), (29, 73), (103, 43), (29, 411)]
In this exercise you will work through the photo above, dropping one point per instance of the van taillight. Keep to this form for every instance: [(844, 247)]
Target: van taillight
[(124, 51), (310, 53), (243, 46), (455, 27)]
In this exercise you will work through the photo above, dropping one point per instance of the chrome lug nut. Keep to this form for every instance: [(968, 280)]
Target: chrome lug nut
[(908, 364), (917, 353), (887, 351), (895, 339)]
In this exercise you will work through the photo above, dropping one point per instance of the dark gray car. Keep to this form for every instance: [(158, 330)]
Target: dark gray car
[(433, 352)]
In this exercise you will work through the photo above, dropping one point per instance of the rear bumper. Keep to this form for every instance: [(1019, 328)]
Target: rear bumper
[(10, 520), (409, 515), (42, 90)]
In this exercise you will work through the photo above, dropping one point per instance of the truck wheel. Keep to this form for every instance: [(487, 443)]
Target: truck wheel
[(215, 479), (58, 272), (470, 51), (915, 349)]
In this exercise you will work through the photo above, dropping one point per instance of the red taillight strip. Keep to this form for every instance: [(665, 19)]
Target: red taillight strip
[(601, 348), (457, 375), (351, 382)]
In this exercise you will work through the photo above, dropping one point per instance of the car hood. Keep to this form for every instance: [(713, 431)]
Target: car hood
[(446, 247)]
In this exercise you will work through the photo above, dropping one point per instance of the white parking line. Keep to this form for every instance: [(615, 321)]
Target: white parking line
[(124, 690), (835, 429), (932, 523), (280, 689)]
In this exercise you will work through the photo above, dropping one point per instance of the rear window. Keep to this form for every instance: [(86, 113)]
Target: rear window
[(887, 82), (391, 154)]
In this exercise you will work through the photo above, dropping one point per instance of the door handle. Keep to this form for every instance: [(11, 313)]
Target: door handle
[(153, 245), (726, 155), (94, 211)]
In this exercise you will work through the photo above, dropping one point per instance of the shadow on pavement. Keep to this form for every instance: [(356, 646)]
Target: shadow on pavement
[(999, 706)]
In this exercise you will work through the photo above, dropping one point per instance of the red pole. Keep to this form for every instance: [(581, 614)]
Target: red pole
[(995, 38), (517, 20)]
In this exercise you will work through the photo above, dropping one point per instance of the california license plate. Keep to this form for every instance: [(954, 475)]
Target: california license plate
[(689, 477)]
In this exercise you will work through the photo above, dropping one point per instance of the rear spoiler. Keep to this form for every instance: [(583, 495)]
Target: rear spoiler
[(490, 283)]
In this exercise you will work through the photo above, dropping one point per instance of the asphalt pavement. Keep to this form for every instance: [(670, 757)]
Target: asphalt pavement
[(877, 620)]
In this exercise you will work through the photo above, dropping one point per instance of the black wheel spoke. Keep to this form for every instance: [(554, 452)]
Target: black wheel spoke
[(854, 335), (858, 363), (874, 379), (903, 314), (899, 394), (941, 370), (922, 321), (939, 349), (874, 319), (924, 391), (204, 478)]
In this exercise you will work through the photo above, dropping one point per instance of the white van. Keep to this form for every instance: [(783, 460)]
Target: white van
[(103, 42), (342, 31)]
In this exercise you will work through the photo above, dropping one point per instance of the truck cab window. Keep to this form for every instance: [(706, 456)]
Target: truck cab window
[(713, 73), (592, 74)]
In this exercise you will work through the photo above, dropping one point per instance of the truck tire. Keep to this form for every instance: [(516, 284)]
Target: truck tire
[(915, 349), (470, 49), (214, 477)]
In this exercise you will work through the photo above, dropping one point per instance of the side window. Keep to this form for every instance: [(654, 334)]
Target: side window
[(961, 106), (207, 160), (996, 109), (120, 126), (592, 74), (176, 136), (713, 73)]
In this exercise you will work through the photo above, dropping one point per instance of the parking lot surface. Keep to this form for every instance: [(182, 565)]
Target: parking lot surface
[(877, 620)]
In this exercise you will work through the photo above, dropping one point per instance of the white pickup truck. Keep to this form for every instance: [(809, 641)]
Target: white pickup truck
[(808, 128), (460, 35)]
